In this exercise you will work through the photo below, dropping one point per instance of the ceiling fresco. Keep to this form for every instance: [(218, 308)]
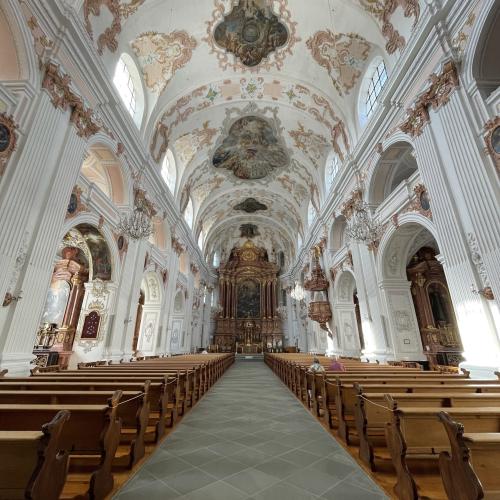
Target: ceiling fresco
[(251, 97), (251, 149), (251, 32), (250, 206), (249, 231)]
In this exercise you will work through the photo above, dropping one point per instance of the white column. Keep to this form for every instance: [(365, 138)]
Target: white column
[(377, 343), (33, 205), (456, 208), (120, 345)]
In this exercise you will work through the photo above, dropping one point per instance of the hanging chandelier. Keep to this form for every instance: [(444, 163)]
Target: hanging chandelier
[(138, 223), (362, 226)]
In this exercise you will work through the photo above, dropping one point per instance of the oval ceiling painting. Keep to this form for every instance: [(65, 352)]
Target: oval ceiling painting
[(251, 149)]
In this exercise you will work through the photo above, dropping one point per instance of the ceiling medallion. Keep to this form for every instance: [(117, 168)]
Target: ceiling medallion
[(249, 231), (251, 32), (250, 205), (250, 150)]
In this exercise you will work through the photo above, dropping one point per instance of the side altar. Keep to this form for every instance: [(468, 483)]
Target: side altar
[(248, 297)]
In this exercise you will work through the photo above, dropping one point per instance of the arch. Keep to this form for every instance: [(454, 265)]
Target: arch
[(128, 83), (482, 51), (17, 57), (389, 263), (337, 233), (372, 84), (102, 168), (395, 165), (151, 286), (346, 315), (179, 302), (92, 219), (161, 237)]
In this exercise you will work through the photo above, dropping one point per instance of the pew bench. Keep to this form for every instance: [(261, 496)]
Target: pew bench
[(341, 412), (416, 438), (471, 470), (33, 463), (373, 412), (91, 434)]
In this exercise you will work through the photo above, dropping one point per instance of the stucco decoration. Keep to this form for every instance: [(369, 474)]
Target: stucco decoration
[(313, 145), (161, 55), (343, 55), (188, 145), (438, 94), (251, 149), (119, 11), (250, 206), (255, 34), (383, 11), (318, 106)]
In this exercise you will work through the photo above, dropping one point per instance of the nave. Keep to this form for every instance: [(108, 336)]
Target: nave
[(250, 438)]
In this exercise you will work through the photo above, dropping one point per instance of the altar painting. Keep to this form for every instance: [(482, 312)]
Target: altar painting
[(248, 299)]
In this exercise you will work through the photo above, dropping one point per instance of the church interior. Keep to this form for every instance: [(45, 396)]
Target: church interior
[(249, 249)]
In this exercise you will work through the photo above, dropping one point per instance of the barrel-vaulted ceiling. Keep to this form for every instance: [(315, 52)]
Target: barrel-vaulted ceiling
[(251, 96)]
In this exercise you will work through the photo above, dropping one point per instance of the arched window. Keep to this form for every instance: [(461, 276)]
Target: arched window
[(377, 82), (200, 240), (371, 87), (188, 213), (216, 259), (311, 213), (128, 83), (331, 170), (169, 171)]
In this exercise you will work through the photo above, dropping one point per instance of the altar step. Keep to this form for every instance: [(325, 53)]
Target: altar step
[(250, 357)]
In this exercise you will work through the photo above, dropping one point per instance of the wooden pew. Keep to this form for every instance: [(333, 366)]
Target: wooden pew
[(345, 394), (184, 387), (92, 431), (416, 437), (373, 412), (33, 464), (471, 470), (156, 404)]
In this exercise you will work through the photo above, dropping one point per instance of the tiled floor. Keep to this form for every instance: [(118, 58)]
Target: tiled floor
[(249, 438)]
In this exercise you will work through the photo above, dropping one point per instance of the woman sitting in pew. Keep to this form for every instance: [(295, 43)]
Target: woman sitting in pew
[(336, 366)]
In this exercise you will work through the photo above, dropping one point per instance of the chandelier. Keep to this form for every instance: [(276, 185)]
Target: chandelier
[(362, 226), (138, 224)]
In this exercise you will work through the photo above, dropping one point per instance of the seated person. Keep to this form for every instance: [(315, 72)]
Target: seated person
[(336, 366), (316, 366)]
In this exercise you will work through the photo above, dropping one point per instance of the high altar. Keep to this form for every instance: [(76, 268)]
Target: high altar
[(248, 321)]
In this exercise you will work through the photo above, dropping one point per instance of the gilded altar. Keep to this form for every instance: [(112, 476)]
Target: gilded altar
[(248, 291)]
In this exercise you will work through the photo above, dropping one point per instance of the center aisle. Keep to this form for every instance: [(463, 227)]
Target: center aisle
[(250, 438)]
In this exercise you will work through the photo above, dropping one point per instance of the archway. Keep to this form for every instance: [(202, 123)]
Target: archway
[(485, 68), (412, 279), (177, 338), (102, 168), (150, 316), (434, 308), (337, 233), (76, 308), (396, 165), (346, 315)]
